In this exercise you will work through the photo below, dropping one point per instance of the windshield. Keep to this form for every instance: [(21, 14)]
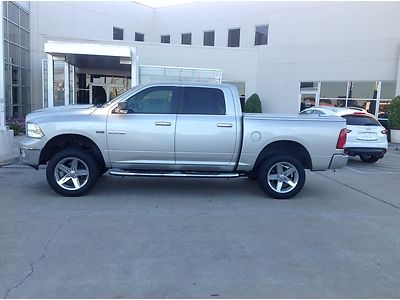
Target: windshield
[(116, 99)]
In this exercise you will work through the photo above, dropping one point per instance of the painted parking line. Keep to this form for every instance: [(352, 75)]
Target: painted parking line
[(371, 172), (390, 164)]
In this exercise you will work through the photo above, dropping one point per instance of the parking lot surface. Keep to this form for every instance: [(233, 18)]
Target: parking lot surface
[(203, 238)]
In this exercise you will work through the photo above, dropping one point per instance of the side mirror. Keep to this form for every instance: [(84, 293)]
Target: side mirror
[(122, 108)]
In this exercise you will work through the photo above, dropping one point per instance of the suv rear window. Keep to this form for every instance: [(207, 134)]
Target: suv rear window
[(360, 120)]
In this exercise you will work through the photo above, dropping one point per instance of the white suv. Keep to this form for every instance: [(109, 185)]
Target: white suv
[(366, 137)]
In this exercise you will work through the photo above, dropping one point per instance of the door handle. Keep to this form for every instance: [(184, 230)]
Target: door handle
[(224, 125), (162, 123)]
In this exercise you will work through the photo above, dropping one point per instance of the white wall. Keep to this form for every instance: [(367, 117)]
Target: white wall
[(307, 40), (348, 41)]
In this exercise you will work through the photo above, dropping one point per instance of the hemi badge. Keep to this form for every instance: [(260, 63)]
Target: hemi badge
[(100, 131)]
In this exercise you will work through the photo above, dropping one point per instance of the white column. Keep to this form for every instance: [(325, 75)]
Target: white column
[(66, 84), (134, 68), (2, 94), (398, 79), (50, 80)]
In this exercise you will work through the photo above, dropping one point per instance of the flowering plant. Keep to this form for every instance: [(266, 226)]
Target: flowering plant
[(16, 124)]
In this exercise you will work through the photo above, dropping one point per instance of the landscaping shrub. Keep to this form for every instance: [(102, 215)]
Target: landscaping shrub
[(394, 113), (253, 104)]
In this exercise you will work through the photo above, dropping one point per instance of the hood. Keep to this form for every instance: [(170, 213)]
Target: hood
[(58, 111)]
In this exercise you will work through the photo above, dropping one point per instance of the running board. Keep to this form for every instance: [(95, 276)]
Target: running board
[(174, 174)]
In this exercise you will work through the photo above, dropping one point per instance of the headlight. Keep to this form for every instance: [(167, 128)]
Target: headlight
[(33, 130)]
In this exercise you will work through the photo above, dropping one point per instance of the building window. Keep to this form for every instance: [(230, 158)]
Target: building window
[(209, 37), (17, 85), (186, 38), (139, 37), (388, 92), (118, 34), (165, 39), (373, 96), (234, 37), (261, 37)]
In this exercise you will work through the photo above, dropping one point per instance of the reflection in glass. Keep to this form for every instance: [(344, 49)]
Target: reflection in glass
[(24, 38), (388, 89), (25, 58), (383, 108), (24, 19), (332, 102), (333, 89), (59, 83), (261, 37), (234, 37), (307, 101), (15, 54), (15, 75), (13, 33), (368, 105), (363, 89), (13, 12), (15, 95)]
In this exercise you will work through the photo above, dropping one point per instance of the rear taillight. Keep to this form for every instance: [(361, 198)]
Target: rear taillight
[(342, 139), (385, 131)]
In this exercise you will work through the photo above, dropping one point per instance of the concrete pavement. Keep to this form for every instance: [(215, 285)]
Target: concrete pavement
[(202, 238)]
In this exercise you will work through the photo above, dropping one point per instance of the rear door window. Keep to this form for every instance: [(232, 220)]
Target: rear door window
[(361, 120), (202, 101)]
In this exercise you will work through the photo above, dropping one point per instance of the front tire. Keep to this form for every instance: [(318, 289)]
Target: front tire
[(281, 176), (369, 158), (72, 172)]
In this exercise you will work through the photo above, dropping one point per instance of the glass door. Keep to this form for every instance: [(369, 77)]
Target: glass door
[(307, 100), (102, 93)]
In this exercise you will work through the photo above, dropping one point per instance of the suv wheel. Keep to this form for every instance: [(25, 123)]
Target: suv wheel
[(281, 176), (72, 172), (369, 158)]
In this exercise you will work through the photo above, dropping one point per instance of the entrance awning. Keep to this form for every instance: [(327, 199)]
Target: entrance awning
[(64, 56)]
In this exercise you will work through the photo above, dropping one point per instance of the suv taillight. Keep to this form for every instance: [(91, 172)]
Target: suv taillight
[(342, 139)]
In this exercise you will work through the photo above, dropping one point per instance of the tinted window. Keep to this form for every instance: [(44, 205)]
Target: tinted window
[(209, 37), (186, 38), (118, 34), (261, 35), (157, 100), (202, 101), (306, 112), (361, 120), (165, 39), (139, 37), (234, 37), (318, 112)]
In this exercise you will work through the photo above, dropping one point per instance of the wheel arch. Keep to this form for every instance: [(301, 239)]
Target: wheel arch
[(63, 141), (285, 147)]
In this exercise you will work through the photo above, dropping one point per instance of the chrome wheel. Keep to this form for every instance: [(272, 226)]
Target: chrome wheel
[(71, 173), (282, 177)]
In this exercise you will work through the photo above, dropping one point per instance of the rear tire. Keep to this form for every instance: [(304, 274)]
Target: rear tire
[(281, 176), (72, 172), (369, 158)]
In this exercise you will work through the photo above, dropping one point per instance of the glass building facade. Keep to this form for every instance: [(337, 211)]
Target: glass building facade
[(16, 60)]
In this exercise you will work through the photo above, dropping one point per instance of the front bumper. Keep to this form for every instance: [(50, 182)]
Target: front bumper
[(338, 161), (29, 151)]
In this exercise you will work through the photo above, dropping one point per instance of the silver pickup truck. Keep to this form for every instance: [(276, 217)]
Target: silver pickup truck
[(179, 130)]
